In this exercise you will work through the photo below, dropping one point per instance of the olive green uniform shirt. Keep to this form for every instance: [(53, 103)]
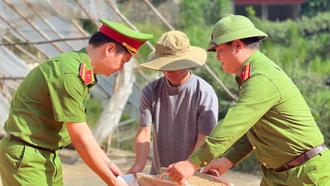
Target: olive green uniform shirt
[(51, 94), (270, 117)]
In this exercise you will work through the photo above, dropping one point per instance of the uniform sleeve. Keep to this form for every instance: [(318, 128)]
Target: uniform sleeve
[(257, 96), (146, 107), (208, 112), (67, 95), (239, 150)]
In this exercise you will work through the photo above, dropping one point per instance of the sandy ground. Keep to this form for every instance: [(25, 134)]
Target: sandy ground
[(78, 174)]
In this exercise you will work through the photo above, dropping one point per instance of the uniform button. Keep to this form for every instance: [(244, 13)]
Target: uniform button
[(205, 163), (264, 164), (254, 147)]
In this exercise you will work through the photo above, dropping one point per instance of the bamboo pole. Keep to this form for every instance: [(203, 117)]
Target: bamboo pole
[(12, 78), (45, 42), (158, 14), (33, 26), (20, 33), (47, 23), (21, 49), (234, 97), (86, 12), (81, 30)]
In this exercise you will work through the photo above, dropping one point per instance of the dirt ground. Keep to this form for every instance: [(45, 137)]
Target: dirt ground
[(78, 174)]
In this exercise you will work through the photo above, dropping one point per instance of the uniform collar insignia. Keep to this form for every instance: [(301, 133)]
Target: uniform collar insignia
[(85, 75), (246, 72), (86, 70)]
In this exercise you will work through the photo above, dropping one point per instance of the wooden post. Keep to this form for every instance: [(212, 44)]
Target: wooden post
[(264, 11)]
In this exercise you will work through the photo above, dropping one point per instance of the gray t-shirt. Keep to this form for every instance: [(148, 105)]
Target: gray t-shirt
[(178, 115)]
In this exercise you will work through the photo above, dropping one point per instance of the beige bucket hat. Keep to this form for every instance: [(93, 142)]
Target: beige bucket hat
[(173, 52)]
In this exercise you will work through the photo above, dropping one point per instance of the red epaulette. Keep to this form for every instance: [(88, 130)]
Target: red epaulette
[(246, 72), (86, 76)]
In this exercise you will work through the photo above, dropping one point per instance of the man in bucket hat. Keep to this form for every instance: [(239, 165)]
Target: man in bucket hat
[(48, 111), (182, 107), (270, 117)]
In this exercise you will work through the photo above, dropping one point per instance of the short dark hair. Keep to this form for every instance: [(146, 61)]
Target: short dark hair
[(99, 39), (251, 42)]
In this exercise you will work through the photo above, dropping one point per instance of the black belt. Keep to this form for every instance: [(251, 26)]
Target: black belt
[(302, 158), (14, 138)]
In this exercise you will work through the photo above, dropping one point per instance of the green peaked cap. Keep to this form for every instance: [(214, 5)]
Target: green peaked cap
[(233, 27), (129, 38)]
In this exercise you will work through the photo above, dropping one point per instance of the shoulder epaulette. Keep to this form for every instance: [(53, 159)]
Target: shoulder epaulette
[(246, 72)]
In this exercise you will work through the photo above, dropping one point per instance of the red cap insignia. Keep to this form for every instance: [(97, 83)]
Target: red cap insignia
[(246, 72)]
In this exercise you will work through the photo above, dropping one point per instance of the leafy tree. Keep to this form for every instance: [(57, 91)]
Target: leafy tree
[(313, 7), (203, 12)]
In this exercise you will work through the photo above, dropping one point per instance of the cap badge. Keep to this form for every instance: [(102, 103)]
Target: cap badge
[(129, 47)]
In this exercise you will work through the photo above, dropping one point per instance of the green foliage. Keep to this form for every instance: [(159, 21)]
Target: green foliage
[(304, 36), (89, 26), (214, 10), (156, 31), (313, 7), (202, 12), (190, 14), (250, 11), (249, 164), (93, 111)]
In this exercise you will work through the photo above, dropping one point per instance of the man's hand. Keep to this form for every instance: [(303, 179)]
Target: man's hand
[(115, 170), (221, 165), (181, 171), (135, 169)]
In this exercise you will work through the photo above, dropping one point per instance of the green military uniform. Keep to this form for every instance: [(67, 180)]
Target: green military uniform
[(56, 93), (53, 93), (272, 119)]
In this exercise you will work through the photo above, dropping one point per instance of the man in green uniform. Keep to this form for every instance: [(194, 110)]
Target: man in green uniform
[(47, 111), (270, 117)]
